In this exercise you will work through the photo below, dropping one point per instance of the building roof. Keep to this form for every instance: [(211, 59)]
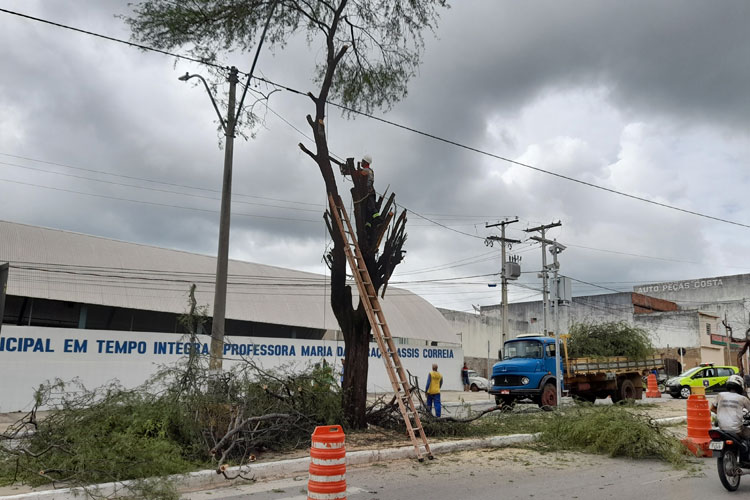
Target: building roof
[(62, 265)]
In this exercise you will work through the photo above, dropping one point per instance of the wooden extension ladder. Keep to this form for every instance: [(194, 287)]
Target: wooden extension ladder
[(380, 330)]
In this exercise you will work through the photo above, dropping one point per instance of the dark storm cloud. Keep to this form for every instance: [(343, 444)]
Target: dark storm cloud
[(684, 58), (638, 96)]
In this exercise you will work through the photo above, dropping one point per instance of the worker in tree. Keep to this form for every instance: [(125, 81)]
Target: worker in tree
[(371, 213)]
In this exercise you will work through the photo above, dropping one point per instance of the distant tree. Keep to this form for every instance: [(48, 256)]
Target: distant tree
[(370, 50)]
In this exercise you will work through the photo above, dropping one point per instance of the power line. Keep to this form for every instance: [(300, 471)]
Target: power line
[(392, 123), (548, 172), (155, 203), (113, 39), (457, 263), (144, 179), (190, 276), (592, 284), (158, 190)]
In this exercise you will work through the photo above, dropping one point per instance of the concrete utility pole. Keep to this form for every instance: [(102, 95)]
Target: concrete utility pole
[(503, 240), (555, 249), (222, 262), (545, 296), (544, 274), (222, 259)]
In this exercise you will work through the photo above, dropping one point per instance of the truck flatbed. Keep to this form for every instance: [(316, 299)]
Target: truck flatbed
[(616, 365)]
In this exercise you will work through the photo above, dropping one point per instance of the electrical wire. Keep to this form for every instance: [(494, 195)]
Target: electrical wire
[(154, 203), (394, 124), (130, 177), (113, 39)]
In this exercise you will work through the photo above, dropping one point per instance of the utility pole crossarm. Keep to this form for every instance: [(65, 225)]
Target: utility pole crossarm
[(503, 240), (543, 227), (555, 250), (502, 223)]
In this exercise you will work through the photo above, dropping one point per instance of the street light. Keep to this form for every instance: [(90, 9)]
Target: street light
[(187, 76), (222, 260), (220, 293)]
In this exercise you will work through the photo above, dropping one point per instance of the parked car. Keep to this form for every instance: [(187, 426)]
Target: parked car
[(712, 378), (477, 383)]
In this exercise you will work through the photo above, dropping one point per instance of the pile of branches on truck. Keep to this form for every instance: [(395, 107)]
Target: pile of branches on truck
[(609, 339)]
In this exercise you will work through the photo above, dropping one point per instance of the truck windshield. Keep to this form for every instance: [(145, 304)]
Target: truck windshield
[(523, 349)]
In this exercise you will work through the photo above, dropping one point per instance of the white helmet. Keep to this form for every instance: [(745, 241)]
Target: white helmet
[(737, 381), (367, 159)]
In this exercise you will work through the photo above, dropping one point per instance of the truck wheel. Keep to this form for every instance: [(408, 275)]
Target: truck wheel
[(627, 390), (548, 399)]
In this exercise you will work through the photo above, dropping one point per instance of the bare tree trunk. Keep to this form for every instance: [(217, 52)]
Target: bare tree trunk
[(354, 395), (353, 322)]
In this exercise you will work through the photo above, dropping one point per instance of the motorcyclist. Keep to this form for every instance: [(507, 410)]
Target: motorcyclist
[(729, 405)]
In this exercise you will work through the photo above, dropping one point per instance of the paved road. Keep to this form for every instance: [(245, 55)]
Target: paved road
[(508, 474)]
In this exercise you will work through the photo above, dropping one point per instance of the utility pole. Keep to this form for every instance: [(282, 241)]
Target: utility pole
[(220, 292), (229, 125), (503, 240), (544, 274), (555, 249), (222, 259)]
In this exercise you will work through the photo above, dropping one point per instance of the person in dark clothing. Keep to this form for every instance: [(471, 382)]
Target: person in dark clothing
[(465, 377), (370, 204)]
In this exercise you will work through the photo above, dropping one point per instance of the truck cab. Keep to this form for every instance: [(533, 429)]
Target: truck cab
[(527, 371)]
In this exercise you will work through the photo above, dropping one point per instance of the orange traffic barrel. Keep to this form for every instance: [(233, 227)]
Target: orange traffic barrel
[(327, 478), (652, 389), (698, 423)]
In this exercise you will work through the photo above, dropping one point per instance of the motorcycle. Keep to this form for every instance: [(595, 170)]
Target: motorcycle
[(733, 459)]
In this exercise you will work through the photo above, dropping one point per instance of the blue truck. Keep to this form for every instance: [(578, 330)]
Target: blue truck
[(527, 373)]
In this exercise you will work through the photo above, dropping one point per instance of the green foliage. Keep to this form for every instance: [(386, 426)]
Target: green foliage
[(98, 436), (614, 430), (166, 427), (179, 421), (609, 339), (492, 424), (384, 37)]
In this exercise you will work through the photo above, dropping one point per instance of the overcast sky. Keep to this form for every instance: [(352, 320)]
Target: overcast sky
[(647, 98)]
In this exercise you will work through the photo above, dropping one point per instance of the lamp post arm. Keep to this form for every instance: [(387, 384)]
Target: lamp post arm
[(210, 95)]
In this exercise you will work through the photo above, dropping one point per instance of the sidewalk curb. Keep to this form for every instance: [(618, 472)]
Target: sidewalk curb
[(209, 478)]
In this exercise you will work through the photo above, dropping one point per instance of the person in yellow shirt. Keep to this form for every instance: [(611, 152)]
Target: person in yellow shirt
[(434, 383)]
